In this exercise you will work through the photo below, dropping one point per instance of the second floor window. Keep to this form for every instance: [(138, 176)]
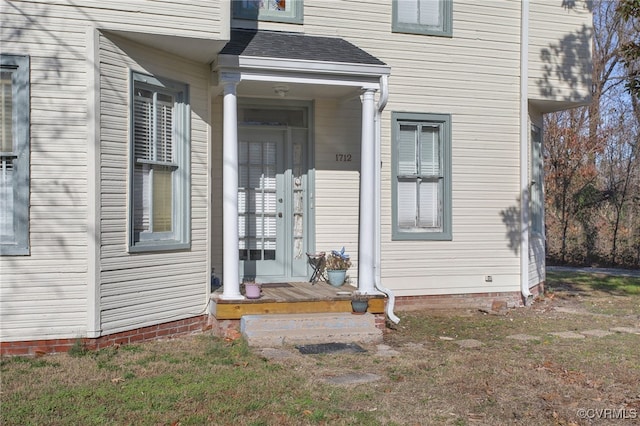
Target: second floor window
[(268, 10), (431, 17)]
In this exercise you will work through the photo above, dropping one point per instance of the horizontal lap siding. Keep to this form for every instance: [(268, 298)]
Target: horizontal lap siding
[(191, 18), (147, 288), (337, 131), (43, 295), (559, 50), (475, 77)]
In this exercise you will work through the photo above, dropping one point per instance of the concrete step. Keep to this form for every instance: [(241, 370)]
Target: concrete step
[(294, 329)]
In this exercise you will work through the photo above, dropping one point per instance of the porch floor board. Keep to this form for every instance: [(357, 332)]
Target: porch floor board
[(291, 298)]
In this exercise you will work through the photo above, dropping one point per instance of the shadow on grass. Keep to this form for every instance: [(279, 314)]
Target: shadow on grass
[(586, 283)]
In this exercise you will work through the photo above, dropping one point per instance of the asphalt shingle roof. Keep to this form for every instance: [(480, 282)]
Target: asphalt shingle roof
[(274, 44)]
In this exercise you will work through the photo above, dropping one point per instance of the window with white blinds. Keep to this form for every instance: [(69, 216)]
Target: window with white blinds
[(422, 171), (159, 157), (431, 17), (14, 155)]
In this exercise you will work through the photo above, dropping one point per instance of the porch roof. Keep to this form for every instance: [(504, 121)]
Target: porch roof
[(285, 45)]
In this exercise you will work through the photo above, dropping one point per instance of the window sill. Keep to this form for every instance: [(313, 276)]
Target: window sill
[(151, 246)]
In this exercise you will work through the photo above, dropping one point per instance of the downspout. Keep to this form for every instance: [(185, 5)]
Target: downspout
[(382, 102), (524, 153)]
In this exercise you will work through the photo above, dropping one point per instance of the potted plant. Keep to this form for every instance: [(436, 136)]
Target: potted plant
[(336, 266), (359, 302), (252, 289)]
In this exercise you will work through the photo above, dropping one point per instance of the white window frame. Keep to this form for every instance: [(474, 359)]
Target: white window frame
[(445, 18), (18, 158), (441, 122), (179, 237), (294, 15)]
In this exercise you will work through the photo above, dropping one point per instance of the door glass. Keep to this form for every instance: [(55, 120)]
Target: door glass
[(257, 200), (272, 117)]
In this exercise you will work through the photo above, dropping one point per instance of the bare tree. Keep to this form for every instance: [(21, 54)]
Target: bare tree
[(592, 170)]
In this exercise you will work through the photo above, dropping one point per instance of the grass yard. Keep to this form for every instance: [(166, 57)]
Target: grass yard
[(430, 380)]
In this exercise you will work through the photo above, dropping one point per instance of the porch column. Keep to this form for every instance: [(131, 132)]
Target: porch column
[(366, 249), (231, 276)]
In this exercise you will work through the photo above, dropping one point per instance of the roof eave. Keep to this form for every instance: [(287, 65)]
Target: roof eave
[(229, 62)]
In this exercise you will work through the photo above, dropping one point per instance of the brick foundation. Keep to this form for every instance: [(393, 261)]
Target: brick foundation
[(231, 328), (495, 301), (165, 330), (538, 290)]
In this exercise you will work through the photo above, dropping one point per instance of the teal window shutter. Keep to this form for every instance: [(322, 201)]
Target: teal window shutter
[(422, 168), (14, 154), (430, 17), (160, 147)]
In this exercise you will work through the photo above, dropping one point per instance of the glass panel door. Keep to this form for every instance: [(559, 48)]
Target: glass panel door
[(273, 200), (260, 201)]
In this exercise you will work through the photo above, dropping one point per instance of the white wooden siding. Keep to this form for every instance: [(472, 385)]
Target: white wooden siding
[(43, 295), (188, 18), (147, 288), (560, 45), (337, 131)]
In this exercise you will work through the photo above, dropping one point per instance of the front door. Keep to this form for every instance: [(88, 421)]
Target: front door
[(273, 201)]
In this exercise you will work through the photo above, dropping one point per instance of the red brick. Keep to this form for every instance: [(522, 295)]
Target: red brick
[(136, 338), (170, 329), (164, 332)]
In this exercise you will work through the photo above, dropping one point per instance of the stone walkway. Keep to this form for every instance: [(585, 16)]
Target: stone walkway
[(354, 378), (578, 335)]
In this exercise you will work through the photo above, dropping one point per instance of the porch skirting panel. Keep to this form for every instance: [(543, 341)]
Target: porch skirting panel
[(292, 298)]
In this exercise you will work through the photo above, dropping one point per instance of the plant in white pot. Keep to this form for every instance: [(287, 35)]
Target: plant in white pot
[(337, 264)]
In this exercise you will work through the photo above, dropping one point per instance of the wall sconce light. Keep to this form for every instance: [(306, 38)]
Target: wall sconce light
[(281, 90)]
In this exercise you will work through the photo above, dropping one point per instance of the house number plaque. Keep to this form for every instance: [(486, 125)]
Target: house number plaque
[(343, 158)]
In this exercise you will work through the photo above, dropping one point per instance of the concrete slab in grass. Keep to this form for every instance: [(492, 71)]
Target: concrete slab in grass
[(631, 330), (352, 379), (468, 343), (596, 333), (567, 335), (523, 337)]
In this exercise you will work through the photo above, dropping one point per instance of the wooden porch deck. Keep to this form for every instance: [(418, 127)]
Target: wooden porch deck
[(292, 298)]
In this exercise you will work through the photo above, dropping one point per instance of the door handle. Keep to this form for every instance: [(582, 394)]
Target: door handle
[(280, 214)]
